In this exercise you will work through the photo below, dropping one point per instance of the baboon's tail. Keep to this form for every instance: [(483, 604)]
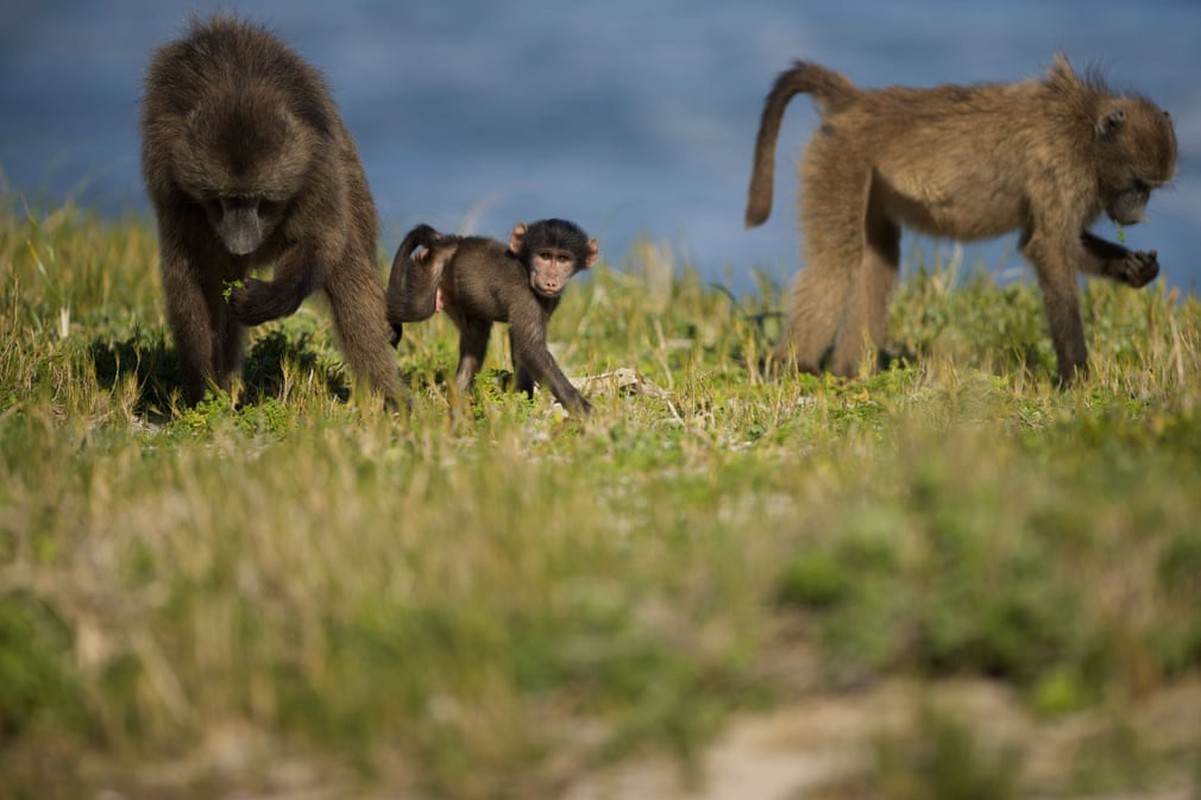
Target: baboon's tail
[(421, 236), (398, 300), (832, 92)]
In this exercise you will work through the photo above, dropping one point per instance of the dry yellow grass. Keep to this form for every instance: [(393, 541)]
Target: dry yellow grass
[(499, 608)]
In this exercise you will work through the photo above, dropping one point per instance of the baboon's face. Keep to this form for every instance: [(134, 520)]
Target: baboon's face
[(550, 269), (243, 160), (243, 221), (552, 253), (1137, 156), (1129, 207)]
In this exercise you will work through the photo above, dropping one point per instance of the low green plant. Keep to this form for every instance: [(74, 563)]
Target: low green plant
[(939, 756), (495, 605)]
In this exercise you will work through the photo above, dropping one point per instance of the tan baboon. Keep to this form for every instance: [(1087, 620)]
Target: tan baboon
[(1046, 157), (249, 165), (479, 281)]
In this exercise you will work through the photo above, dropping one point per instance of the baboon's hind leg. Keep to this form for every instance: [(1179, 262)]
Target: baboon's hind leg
[(833, 209), (865, 322)]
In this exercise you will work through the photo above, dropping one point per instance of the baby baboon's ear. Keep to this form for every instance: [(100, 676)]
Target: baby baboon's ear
[(517, 237)]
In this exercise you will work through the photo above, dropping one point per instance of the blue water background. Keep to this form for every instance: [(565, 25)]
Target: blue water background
[(632, 118)]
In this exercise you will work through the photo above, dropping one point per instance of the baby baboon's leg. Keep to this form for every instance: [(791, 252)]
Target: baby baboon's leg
[(1061, 299), (356, 300), (866, 320), (473, 346), (523, 379), (833, 209)]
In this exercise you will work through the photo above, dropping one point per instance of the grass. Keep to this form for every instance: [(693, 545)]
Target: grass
[(195, 601)]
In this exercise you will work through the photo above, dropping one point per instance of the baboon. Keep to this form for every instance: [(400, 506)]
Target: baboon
[(479, 281), (1045, 157), (248, 164)]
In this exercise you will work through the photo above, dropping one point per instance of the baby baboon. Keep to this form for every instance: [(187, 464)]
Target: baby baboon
[(1046, 157), (248, 164), (479, 281)]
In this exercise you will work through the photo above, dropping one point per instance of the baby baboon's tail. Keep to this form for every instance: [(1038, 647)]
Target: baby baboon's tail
[(412, 290), (421, 236)]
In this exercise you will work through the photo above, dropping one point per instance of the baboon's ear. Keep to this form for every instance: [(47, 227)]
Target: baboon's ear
[(1111, 123), (516, 238), (196, 119), (592, 255), (287, 123)]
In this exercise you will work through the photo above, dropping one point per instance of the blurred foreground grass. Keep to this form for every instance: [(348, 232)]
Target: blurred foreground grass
[(190, 599)]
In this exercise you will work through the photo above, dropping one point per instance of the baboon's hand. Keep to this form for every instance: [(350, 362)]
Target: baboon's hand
[(252, 302), (1141, 268)]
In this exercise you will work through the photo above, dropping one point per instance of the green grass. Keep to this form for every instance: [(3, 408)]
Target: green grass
[(497, 608)]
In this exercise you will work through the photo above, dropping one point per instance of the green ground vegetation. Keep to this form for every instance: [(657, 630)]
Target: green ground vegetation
[(497, 607)]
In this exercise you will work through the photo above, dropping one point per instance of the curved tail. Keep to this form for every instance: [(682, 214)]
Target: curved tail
[(420, 236), (832, 91), (412, 290)]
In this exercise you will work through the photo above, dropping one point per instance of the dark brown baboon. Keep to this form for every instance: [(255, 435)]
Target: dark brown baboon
[(479, 281), (248, 164), (1046, 157)]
